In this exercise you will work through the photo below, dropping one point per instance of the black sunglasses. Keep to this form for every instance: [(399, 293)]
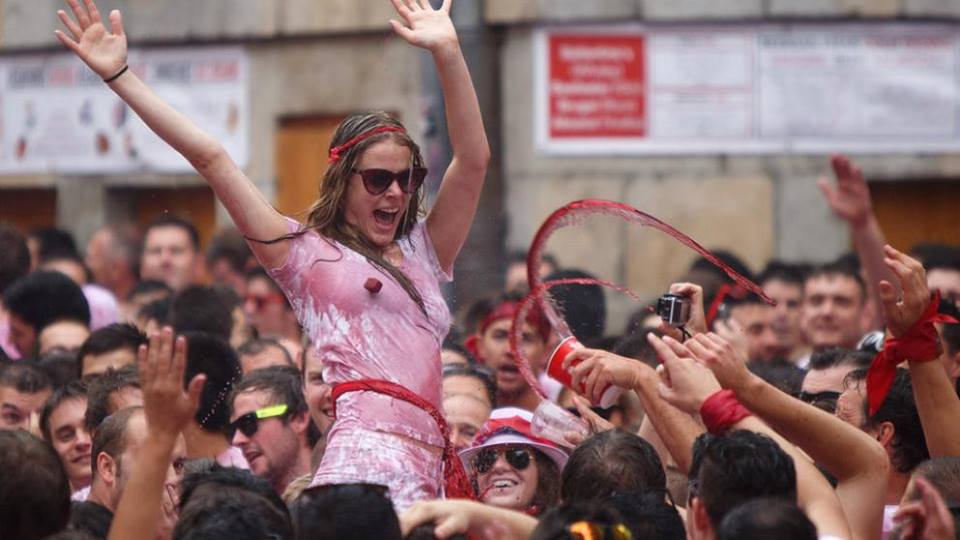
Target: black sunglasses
[(376, 181), (516, 456), (250, 422), (826, 400)]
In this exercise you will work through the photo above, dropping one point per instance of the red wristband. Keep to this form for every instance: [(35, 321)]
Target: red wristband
[(721, 411)]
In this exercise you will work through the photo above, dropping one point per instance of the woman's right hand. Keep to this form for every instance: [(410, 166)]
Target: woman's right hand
[(105, 53)]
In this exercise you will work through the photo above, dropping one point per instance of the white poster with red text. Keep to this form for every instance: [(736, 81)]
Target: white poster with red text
[(804, 88)]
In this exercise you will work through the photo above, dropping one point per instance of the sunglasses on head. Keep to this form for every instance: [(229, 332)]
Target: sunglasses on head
[(516, 456), (376, 181), (250, 422)]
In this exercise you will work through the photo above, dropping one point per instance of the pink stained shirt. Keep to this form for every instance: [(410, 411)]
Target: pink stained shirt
[(365, 335)]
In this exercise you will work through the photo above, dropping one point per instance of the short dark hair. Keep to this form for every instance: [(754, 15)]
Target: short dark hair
[(35, 491), (358, 511), (60, 366), (14, 255), (74, 390), (775, 270), (583, 306), (934, 256), (229, 477), (741, 465), (648, 516), (780, 373), (54, 243), (635, 345), (111, 436), (198, 308), (767, 518), (259, 272), (554, 524), (148, 286), (950, 332), (90, 518), (282, 383), (229, 245), (838, 268), (611, 462), (838, 356), (255, 346), (41, 298), (899, 408), (728, 258), (943, 473), (481, 373), (24, 377), (99, 389), (167, 219), (110, 338), (234, 513), (213, 357), (157, 310)]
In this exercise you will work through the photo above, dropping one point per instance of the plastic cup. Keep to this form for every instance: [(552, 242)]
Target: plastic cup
[(556, 371), (553, 422)]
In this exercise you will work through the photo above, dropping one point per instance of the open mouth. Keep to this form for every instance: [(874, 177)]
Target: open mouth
[(386, 218)]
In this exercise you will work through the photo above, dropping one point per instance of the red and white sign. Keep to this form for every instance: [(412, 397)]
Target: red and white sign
[(597, 86), (763, 88)]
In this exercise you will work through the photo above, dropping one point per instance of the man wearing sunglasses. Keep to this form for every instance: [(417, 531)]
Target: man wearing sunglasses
[(270, 423)]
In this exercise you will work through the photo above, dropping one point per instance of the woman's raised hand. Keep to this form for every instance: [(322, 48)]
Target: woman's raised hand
[(105, 52), (424, 26)]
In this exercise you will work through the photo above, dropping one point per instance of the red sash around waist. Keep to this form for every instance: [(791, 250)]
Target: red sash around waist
[(456, 483)]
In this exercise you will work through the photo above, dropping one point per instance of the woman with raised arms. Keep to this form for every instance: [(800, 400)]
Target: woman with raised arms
[(363, 273)]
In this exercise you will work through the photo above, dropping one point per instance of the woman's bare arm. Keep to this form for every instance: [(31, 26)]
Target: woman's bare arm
[(452, 214), (106, 54)]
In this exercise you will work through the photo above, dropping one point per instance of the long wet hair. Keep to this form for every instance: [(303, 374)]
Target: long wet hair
[(326, 216)]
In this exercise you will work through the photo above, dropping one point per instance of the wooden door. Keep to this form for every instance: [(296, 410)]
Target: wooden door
[(918, 211), (195, 203), (28, 208), (301, 160)]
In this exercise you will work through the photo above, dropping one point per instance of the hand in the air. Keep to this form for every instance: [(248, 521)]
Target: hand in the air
[(424, 26), (105, 52), (850, 199)]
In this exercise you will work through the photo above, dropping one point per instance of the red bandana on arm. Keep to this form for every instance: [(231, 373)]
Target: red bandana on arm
[(920, 343), (721, 411)]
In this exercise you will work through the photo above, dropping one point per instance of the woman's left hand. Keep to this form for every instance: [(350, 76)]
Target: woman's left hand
[(424, 26)]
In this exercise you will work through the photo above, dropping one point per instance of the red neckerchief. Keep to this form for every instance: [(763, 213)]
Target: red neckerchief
[(456, 483), (721, 411), (920, 343)]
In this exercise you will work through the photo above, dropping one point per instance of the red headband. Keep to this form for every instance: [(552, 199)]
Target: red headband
[(506, 310), (336, 151)]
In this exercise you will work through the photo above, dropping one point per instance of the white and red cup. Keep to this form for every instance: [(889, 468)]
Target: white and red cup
[(555, 370)]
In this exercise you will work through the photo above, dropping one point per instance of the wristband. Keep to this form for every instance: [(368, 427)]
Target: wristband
[(721, 411), (117, 75), (920, 343)]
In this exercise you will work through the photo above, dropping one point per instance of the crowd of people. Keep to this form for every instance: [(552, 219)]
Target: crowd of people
[(308, 381)]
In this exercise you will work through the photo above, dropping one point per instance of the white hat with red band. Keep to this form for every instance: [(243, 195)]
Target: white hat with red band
[(511, 426)]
